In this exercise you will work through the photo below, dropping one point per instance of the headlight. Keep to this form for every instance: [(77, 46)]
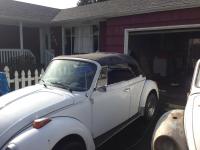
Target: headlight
[(165, 143), (11, 147)]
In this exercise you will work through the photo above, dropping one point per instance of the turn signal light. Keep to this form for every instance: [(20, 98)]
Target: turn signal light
[(39, 123)]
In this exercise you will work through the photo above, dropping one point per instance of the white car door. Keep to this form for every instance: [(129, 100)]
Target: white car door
[(111, 106), (136, 87)]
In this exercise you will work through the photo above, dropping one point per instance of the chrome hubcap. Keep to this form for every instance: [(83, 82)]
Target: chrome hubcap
[(151, 108)]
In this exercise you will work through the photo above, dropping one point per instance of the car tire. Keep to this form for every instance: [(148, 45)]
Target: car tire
[(150, 110), (70, 145)]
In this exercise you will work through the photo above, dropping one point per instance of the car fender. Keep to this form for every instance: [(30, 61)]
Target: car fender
[(169, 132), (149, 86), (48, 136)]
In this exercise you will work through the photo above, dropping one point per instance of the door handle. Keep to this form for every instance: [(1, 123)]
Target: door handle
[(127, 90)]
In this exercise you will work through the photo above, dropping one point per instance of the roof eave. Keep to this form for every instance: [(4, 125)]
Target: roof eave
[(105, 16), (16, 20)]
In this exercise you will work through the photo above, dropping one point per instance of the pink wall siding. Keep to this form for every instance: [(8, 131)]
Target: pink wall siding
[(112, 31)]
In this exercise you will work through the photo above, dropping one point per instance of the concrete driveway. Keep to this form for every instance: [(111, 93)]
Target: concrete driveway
[(136, 136)]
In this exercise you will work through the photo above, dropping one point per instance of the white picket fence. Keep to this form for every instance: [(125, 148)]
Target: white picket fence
[(22, 79)]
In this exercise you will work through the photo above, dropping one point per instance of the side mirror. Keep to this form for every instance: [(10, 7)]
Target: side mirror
[(102, 89)]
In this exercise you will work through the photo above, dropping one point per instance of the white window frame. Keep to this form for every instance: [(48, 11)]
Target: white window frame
[(79, 36), (179, 27)]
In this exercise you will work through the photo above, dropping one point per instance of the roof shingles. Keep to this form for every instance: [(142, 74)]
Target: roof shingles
[(26, 12), (116, 8)]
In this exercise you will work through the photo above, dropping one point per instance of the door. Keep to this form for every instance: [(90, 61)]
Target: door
[(111, 106), (136, 88)]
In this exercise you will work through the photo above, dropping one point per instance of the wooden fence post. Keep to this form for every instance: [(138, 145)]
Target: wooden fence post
[(16, 80), (42, 72), (36, 76), (23, 79), (6, 69), (29, 78)]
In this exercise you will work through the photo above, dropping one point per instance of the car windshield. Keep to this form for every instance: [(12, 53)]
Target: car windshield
[(73, 75)]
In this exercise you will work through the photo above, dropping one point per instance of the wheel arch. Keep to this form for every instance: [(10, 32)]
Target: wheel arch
[(52, 133), (71, 137), (71, 128), (149, 87), (170, 127)]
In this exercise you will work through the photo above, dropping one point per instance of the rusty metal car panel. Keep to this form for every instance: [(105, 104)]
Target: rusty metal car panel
[(179, 129)]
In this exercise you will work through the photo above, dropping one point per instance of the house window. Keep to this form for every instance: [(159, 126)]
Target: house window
[(84, 39)]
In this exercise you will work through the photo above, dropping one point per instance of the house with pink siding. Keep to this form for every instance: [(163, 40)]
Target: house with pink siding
[(163, 35)]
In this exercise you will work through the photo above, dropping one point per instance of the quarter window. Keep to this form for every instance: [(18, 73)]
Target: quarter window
[(102, 81), (119, 74), (135, 69)]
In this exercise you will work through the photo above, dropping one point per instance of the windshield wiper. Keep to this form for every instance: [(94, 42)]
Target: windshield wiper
[(44, 83), (62, 85)]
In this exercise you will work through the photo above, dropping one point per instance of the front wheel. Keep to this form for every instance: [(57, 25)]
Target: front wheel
[(70, 145), (151, 106)]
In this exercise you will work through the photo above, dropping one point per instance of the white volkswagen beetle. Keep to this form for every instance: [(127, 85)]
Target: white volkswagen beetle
[(80, 102), (179, 129)]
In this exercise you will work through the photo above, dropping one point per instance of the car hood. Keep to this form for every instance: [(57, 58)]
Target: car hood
[(18, 109), (196, 121)]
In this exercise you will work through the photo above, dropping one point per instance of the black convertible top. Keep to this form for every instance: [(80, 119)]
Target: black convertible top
[(103, 58), (106, 59)]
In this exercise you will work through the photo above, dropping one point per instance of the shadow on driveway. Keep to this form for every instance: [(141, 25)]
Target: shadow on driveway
[(136, 136)]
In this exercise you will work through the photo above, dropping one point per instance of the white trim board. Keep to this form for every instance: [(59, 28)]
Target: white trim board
[(128, 30)]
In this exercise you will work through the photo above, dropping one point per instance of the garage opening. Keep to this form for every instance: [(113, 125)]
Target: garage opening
[(168, 57)]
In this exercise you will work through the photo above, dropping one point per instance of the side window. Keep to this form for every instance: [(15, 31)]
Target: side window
[(116, 75), (103, 77)]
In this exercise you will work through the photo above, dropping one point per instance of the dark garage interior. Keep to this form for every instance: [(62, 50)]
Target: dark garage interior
[(168, 57)]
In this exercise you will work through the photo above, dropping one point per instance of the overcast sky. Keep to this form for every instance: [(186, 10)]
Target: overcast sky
[(53, 3)]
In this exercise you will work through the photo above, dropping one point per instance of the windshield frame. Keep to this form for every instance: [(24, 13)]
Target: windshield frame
[(197, 78), (74, 59)]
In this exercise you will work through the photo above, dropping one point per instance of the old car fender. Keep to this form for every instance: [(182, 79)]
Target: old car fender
[(48, 136), (169, 132), (149, 86), (188, 122)]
